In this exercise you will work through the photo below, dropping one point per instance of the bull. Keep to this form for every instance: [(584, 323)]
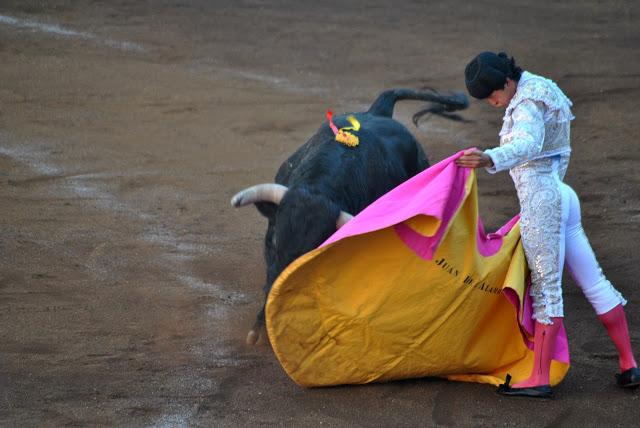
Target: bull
[(324, 183)]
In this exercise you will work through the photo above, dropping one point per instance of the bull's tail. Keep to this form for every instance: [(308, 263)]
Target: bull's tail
[(383, 106)]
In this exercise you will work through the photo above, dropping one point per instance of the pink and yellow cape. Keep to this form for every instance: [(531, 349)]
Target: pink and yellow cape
[(410, 287)]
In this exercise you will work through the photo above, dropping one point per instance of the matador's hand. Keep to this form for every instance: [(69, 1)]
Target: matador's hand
[(474, 158)]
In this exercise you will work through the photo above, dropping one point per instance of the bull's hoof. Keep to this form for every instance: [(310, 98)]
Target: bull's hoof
[(256, 337), (252, 337)]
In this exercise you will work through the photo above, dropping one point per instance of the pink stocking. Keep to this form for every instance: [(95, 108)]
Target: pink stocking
[(543, 347), (616, 323)]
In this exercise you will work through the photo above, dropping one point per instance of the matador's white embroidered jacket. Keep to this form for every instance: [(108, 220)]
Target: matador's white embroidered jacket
[(535, 124)]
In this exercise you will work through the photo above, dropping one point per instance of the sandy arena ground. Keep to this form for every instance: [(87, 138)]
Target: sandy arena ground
[(127, 281)]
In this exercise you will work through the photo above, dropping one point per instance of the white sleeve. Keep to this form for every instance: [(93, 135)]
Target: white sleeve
[(524, 141)]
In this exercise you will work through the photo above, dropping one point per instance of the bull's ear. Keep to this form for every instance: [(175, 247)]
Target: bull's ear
[(267, 209)]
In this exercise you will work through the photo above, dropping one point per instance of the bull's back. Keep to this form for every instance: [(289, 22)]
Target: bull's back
[(353, 177), (394, 135)]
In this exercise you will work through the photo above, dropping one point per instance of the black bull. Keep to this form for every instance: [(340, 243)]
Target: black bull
[(324, 180)]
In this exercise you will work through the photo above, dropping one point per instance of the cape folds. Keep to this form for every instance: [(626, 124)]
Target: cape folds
[(411, 287)]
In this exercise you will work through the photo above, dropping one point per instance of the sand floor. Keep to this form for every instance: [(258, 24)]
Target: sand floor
[(128, 282)]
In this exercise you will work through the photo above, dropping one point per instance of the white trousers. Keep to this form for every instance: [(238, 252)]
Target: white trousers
[(580, 258), (552, 235)]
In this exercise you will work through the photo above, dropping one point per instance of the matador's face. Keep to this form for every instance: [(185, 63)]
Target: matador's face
[(501, 98)]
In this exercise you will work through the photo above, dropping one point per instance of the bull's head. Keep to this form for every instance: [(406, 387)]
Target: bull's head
[(298, 222)]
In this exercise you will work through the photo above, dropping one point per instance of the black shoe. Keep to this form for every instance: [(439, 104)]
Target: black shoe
[(629, 378), (542, 391)]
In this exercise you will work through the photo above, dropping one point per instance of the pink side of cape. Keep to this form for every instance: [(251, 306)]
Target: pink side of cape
[(438, 192)]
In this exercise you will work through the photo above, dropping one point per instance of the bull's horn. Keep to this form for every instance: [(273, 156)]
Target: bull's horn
[(343, 218), (268, 192)]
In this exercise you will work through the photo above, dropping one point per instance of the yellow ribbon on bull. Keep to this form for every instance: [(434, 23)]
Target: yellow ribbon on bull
[(343, 135), (371, 307)]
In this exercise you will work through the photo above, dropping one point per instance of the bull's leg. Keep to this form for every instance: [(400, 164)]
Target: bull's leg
[(258, 334)]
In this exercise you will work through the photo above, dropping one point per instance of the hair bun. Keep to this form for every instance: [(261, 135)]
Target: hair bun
[(514, 70)]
